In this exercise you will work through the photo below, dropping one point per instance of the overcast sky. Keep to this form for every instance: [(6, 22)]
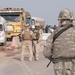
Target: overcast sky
[(47, 9)]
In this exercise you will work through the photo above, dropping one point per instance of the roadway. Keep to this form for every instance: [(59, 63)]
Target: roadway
[(11, 65)]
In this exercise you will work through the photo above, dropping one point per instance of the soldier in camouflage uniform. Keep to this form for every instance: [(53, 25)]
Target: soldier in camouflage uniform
[(27, 36), (36, 39), (60, 46)]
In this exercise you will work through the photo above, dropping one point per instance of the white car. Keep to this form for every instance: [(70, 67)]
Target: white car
[(2, 38), (2, 31)]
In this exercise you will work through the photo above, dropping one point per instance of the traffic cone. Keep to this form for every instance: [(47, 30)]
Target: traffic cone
[(12, 46), (13, 43)]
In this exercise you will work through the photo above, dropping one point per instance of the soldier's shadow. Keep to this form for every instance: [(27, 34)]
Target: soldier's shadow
[(25, 59)]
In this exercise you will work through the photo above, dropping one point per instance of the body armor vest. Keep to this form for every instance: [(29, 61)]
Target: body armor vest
[(27, 35), (36, 35), (64, 45)]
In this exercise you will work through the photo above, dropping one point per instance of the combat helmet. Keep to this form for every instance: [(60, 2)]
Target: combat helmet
[(37, 24), (66, 14)]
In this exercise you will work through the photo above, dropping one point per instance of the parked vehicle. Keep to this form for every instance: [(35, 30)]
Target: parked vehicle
[(15, 19), (49, 29), (28, 18), (41, 21), (3, 28)]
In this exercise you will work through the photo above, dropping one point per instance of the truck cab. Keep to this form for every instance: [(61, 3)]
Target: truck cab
[(15, 19), (2, 31), (28, 18)]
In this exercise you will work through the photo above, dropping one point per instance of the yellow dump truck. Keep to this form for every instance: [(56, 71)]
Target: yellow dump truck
[(15, 20)]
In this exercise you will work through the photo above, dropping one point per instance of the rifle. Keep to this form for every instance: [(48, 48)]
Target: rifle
[(50, 61)]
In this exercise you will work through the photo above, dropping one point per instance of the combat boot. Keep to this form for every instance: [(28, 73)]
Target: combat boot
[(36, 59)]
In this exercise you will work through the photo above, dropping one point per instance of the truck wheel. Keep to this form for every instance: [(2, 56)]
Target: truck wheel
[(8, 39), (2, 44)]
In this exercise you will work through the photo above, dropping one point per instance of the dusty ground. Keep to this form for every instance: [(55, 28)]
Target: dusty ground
[(8, 53), (10, 63)]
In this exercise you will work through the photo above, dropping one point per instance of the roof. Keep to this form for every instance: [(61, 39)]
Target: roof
[(11, 10)]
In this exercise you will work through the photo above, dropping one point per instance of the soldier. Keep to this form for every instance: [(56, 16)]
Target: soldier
[(27, 36), (60, 46), (37, 36), (46, 29)]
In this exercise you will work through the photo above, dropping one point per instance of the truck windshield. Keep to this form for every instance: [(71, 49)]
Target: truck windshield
[(33, 22), (12, 18), (1, 28), (29, 21)]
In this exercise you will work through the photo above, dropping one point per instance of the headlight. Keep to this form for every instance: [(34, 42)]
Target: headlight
[(10, 28), (18, 30)]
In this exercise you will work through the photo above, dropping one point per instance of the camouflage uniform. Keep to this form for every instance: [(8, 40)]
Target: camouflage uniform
[(27, 42), (62, 49), (36, 40)]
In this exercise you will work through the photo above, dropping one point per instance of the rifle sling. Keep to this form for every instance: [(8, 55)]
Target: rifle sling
[(58, 33), (61, 31)]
